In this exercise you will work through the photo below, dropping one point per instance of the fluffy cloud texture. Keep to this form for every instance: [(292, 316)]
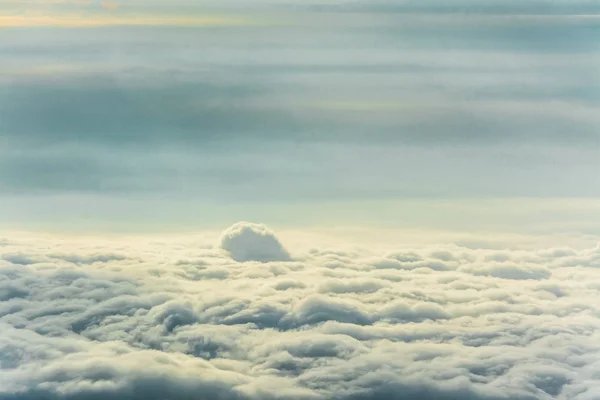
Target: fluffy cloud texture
[(178, 319), (246, 241)]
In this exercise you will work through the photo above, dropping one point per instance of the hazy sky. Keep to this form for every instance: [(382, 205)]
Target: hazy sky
[(131, 114)]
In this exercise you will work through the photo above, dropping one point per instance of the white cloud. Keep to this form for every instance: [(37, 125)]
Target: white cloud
[(133, 319), (507, 270), (246, 241)]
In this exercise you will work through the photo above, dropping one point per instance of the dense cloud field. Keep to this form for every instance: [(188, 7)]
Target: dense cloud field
[(252, 319)]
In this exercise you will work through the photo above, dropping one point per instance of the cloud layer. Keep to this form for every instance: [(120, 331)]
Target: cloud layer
[(175, 319)]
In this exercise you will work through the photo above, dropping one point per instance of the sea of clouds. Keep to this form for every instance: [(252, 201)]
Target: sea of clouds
[(249, 318)]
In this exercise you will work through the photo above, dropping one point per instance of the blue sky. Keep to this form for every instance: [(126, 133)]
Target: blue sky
[(135, 113)]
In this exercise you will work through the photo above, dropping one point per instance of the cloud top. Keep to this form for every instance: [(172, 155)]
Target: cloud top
[(169, 319), (246, 241)]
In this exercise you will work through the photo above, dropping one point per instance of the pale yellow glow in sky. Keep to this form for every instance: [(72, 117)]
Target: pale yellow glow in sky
[(74, 21)]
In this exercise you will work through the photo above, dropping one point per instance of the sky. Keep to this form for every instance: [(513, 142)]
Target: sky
[(299, 200), (136, 116)]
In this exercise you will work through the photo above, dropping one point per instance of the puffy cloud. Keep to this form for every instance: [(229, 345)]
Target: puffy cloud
[(89, 259), (174, 318), (350, 286), (246, 241), (510, 271)]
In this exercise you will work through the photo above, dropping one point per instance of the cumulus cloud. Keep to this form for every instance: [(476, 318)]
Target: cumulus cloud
[(510, 271), (246, 241), (174, 319)]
